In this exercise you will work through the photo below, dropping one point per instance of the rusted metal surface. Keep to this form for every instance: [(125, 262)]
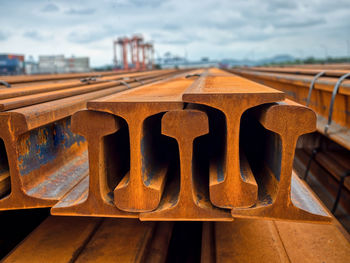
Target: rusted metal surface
[(324, 184), (267, 241), (176, 149), (230, 185), (142, 187), (192, 201), (39, 171), (248, 241), (45, 158), (158, 249), (53, 77), (301, 71), (119, 122), (56, 240), (320, 243), (36, 86), (296, 88), (208, 253), (16, 98), (118, 241), (280, 197), (74, 239), (94, 194)]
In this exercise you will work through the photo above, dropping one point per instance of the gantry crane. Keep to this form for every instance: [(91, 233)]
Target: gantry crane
[(136, 45)]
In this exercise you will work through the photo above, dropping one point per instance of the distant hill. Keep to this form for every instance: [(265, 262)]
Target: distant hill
[(246, 62)]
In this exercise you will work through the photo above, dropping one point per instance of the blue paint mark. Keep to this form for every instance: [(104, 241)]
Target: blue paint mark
[(220, 172), (147, 172), (243, 175), (43, 145), (268, 199)]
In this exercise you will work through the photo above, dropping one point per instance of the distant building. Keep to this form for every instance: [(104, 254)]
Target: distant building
[(175, 61), (52, 64), (60, 64), (81, 64), (11, 64), (184, 63), (31, 67)]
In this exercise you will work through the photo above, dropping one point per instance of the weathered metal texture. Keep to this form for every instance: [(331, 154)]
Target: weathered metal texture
[(336, 132), (192, 201), (301, 71), (335, 66), (327, 186), (157, 251), (45, 159), (296, 88), (75, 239), (231, 185), (208, 243), (272, 163), (268, 241), (142, 187), (53, 77), (320, 243), (56, 240), (94, 195), (21, 97), (118, 241), (40, 172), (29, 88), (248, 241)]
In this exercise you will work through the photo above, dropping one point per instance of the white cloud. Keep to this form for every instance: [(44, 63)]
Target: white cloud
[(216, 29)]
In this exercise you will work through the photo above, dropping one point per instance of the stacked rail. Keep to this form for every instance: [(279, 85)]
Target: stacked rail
[(41, 159), (74, 239), (178, 149), (326, 91), (204, 145)]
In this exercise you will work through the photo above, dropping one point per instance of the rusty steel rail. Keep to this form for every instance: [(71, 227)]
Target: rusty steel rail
[(336, 66), (301, 71), (267, 241), (136, 171), (146, 142), (81, 239), (269, 143), (141, 189), (333, 121), (178, 148), (53, 77), (40, 154), (230, 185), (28, 88), (278, 241), (17, 102), (74, 239), (192, 202)]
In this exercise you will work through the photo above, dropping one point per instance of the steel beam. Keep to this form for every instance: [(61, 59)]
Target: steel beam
[(94, 195), (45, 159), (232, 95), (287, 121), (192, 201), (297, 88), (142, 187)]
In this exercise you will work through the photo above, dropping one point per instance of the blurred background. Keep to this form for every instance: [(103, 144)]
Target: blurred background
[(43, 36)]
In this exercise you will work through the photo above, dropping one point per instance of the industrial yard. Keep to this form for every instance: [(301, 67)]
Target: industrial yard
[(159, 135)]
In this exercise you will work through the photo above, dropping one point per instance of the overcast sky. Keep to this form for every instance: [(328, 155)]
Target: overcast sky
[(215, 29)]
